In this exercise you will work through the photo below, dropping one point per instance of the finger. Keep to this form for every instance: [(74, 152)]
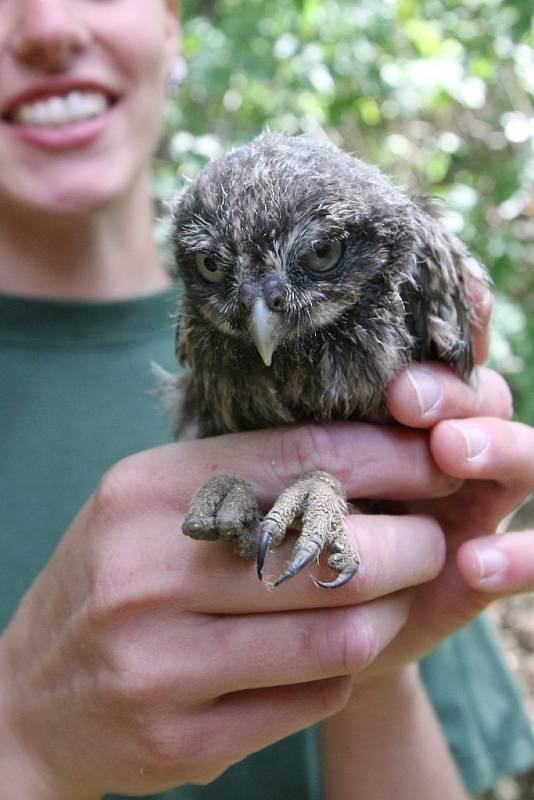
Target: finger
[(424, 394), (197, 745), (485, 448), (396, 553), (481, 301), (137, 571), (369, 460), (244, 722), (501, 564), (274, 649)]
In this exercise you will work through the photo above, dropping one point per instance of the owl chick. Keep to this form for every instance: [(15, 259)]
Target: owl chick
[(310, 281)]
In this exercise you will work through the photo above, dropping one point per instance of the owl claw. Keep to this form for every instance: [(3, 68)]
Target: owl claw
[(343, 578), (304, 553), (225, 508), (263, 546)]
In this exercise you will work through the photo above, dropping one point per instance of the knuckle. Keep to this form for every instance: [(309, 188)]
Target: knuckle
[(356, 640), (124, 589), (139, 674), (133, 683), (165, 750), (296, 450), (308, 447), (122, 490), (313, 447), (131, 694), (190, 749), (347, 643)]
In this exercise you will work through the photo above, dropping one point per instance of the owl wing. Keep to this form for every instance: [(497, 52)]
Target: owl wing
[(439, 312)]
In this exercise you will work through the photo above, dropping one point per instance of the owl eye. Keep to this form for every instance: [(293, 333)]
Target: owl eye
[(210, 269), (324, 257)]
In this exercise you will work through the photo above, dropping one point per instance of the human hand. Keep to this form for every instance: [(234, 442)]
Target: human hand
[(492, 481), (138, 650), (471, 438)]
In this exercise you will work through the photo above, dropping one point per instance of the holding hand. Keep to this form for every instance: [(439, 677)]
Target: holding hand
[(492, 459), (157, 660), (471, 438)]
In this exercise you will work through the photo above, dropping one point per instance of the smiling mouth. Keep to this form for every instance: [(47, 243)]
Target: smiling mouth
[(58, 110)]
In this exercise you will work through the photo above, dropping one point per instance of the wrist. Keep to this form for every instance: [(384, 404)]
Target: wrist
[(387, 724), (394, 685), (392, 693), (22, 772)]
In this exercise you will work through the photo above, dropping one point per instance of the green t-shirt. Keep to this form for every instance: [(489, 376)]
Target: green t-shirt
[(77, 394)]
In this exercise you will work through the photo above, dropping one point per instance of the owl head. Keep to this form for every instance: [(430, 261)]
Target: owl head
[(281, 238)]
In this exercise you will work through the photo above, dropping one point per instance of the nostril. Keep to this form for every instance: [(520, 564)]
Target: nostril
[(273, 290)]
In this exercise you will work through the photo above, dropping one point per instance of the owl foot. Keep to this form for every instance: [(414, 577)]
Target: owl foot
[(225, 508), (315, 503)]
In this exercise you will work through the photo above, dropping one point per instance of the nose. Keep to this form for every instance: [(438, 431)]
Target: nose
[(274, 293), (48, 34)]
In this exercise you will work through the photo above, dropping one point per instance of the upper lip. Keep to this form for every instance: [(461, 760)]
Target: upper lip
[(55, 86)]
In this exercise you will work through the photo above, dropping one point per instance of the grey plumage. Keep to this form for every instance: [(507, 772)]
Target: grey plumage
[(309, 281)]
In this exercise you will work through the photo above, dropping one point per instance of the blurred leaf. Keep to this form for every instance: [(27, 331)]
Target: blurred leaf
[(437, 92)]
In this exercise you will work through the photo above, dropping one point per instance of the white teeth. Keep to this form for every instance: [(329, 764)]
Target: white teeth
[(62, 110)]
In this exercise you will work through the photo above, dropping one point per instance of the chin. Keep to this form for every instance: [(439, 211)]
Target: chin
[(78, 201), (70, 192)]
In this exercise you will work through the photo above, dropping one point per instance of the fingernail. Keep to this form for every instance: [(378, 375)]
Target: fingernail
[(427, 388), (492, 564), (476, 439)]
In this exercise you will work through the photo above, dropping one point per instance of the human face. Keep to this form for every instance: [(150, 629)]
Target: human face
[(81, 97)]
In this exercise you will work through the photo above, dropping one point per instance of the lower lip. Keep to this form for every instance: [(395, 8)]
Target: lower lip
[(65, 137)]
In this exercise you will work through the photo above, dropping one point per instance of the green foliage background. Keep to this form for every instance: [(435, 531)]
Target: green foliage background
[(438, 93)]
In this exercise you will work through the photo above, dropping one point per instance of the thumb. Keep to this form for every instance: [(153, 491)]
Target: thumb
[(502, 564)]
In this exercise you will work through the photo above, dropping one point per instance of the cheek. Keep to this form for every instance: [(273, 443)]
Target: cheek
[(138, 41), (142, 65)]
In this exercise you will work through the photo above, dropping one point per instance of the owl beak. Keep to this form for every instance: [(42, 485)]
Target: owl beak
[(265, 327)]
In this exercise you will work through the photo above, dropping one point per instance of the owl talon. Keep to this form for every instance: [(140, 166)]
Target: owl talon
[(316, 505), (343, 578), (344, 561), (305, 551), (225, 508), (263, 546)]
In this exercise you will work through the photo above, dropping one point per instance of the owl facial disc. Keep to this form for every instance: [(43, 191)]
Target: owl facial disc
[(265, 327)]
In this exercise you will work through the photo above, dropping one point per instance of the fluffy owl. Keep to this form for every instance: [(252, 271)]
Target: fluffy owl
[(310, 280)]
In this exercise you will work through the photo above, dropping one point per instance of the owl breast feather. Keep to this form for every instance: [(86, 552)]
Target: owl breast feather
[(335, 374)]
